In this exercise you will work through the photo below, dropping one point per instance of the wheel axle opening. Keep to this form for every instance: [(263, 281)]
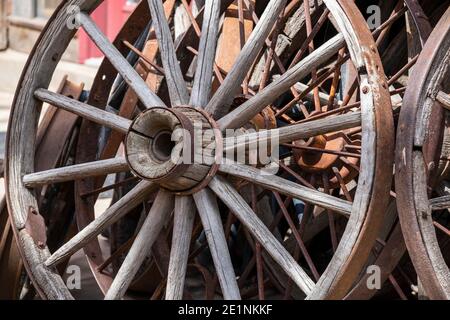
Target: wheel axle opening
[(162, 145)]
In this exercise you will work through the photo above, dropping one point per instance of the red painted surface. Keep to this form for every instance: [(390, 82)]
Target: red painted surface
[(110, 17)]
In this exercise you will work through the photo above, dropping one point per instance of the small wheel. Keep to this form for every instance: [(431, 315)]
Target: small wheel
[(161, 147), (420, 140)]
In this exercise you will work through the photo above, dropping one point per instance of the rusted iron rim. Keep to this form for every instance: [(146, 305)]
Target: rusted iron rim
[(412, 194)]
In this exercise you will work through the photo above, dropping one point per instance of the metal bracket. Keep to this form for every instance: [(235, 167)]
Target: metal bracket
[(35, 226)]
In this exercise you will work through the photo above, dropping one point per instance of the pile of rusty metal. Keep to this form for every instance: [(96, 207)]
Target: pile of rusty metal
[(247, 149)]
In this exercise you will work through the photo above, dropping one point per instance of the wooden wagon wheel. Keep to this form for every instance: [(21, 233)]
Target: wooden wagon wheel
[(54, 147), (417, 22), (184, 187), (423, 214)]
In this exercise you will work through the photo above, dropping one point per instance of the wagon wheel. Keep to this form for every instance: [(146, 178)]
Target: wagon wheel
[(390, 247), (186, 186), (57, 201), (423, 214)]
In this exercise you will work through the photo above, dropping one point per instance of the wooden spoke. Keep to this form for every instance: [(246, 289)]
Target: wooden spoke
[(132, 199), (76, 172), (178, 91), (131, 77), (262, 99), (286, 187), (84, 110), (324, 98), (256, 227), (444, 99), (222, 99), (141, 248), (296, 131), (207, 53), (209, 214), (440, 203), (184, 216)]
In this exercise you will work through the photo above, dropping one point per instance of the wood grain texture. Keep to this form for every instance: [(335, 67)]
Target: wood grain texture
[(184, 216), (84, 110), (212, 224), (222, 99), (296, 131), (141, 248), (286, 187), (226, 192), (201, 89), (443, 99), (131, 77), (76, 172), (265, 97), (132, 199), (178, 91)]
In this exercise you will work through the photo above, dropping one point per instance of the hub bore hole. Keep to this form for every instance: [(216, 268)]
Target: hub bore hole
[(162, 145)]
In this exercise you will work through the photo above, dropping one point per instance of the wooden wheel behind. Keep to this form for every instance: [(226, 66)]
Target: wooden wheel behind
[(422, 199)]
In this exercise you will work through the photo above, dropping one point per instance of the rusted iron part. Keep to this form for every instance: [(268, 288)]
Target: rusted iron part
[(324, 154), (418, 146)]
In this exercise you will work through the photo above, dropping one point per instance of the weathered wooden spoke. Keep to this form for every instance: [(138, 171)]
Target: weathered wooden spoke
[(272, 182), (244, 213), (132, 78), (207, 53), (184, 215), (210, 216), (157, 217), (75, 172), (111, 215), (179, 94), (440, 203), (252, 107), (222, 99), (84, 110), (295, 131), (444, 99)]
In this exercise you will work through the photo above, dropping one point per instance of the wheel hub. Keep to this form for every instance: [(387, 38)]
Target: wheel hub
[(175, 148), (313, 161)]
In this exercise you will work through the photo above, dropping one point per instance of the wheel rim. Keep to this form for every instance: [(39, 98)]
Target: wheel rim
[(375, 114), (414, 150)]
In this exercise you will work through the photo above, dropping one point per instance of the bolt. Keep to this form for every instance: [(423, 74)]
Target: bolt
[(424, 214), (365, 90)]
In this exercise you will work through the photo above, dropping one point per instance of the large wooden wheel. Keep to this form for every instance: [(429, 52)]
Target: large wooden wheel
[(420, 179), (185, 188)]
